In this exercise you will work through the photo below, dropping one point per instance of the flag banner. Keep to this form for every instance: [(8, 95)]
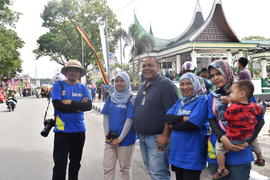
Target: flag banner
[(100, 67)]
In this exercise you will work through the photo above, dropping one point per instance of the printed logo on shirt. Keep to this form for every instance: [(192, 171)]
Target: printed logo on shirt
[(77, 94), (63, 92), (123, 106), (183, 112), (59, 123)]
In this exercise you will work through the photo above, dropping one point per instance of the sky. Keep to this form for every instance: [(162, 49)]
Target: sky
[(168, 19)]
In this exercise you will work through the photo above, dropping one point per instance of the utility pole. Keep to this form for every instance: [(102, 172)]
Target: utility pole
[(82, 53), (106, 40), (121, 61)]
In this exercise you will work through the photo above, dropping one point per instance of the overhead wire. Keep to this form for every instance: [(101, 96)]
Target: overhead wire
[(126, 5)]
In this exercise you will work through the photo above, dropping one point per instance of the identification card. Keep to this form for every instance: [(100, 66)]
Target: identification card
[(143, 101)]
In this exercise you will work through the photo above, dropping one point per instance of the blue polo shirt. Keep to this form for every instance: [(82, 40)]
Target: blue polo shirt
[(232, 158), (118, 114), (152, 103), (188, 148), (69, 122)]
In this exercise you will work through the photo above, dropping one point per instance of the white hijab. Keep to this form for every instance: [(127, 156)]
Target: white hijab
[(122, 97)]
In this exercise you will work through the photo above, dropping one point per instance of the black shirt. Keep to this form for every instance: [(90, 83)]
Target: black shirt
[(152, 103)]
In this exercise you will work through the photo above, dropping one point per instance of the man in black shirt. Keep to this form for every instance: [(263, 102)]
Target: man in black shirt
[(155, 96)]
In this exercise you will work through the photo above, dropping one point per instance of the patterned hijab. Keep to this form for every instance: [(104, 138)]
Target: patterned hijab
[(197, 87), (223, 67), (122, 97)]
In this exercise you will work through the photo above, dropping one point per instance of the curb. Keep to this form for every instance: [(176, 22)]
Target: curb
[(96, 108)]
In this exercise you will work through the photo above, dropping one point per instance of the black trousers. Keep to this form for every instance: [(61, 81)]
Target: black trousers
[(185, 174), (67, 145)]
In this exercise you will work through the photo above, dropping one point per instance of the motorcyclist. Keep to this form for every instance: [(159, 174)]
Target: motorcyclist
[(12, 100)]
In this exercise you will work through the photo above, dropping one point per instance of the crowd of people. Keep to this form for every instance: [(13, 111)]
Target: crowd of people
[(204, 125)]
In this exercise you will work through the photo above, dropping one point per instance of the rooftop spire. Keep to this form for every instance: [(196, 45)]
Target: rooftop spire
[(217, 1), (198, 6), (150, 30)]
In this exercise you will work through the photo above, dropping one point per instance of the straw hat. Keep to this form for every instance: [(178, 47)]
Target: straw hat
[(73, 64)]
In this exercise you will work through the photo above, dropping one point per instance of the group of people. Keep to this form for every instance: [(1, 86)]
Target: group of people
[(173, 131)]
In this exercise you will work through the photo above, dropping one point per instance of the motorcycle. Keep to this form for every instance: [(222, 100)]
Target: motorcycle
[(11, 103)]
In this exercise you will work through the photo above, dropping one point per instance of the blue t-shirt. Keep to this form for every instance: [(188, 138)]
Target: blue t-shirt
[(69, 122), (232, 158), (188, 148), (118, 114)]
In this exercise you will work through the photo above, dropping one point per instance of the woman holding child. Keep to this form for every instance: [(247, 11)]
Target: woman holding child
[(187, 118), (239, 157)]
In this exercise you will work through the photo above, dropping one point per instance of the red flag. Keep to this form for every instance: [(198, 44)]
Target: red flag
[(103, 75)]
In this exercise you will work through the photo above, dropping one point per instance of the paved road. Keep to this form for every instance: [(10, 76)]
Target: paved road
[(25, 155)]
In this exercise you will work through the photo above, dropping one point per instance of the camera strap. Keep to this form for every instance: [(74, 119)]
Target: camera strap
[(49, 100)]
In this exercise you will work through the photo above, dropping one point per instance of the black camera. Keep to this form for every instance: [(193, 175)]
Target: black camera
[(111, 135), (48, 124)]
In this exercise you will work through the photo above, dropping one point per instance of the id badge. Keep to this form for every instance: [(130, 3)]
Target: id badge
[(143, 101)]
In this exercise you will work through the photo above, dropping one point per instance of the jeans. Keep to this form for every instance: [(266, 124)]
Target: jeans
[(155, 161), (237, 172), (67, 145)]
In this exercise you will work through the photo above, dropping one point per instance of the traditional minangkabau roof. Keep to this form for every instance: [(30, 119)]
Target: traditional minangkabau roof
[(157, 41), (198, 30), (196, 22), (217, 16), (215, 19)]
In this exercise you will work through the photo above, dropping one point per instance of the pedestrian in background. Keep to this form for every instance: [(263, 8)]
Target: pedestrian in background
[(204, 75), (93, 89), (120, 135), (244, 73), (155, 96), (70, 99)]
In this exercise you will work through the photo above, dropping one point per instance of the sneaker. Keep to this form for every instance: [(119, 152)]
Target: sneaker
[(259, 162), (221, 173)]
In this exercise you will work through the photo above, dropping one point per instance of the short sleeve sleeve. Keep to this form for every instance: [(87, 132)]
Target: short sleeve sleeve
[(130, 111), (106, 107), (169, 95), (87, 93), (172, 109), (56, 91)]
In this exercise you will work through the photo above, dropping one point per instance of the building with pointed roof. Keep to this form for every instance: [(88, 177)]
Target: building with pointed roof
[(202, 42)]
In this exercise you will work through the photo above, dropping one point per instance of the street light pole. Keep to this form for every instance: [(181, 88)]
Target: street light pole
[(106, 40), (82, 53)]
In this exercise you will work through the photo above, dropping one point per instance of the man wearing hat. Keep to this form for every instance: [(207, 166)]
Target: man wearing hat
[(70, 99)]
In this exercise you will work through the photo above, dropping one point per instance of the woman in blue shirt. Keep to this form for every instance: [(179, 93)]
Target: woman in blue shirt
[(120, 135), (238, 160), (188, 118)]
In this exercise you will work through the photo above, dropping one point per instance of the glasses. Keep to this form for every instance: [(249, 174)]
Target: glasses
[(148, 65)]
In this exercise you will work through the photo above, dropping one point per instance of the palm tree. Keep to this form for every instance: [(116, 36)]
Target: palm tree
[(120, 35), (142, 43)]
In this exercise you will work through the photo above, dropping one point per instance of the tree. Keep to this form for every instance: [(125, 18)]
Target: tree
[(256, 38), (10, 63), (142, 43), (7, 16), (63, 42), (120, 35)]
